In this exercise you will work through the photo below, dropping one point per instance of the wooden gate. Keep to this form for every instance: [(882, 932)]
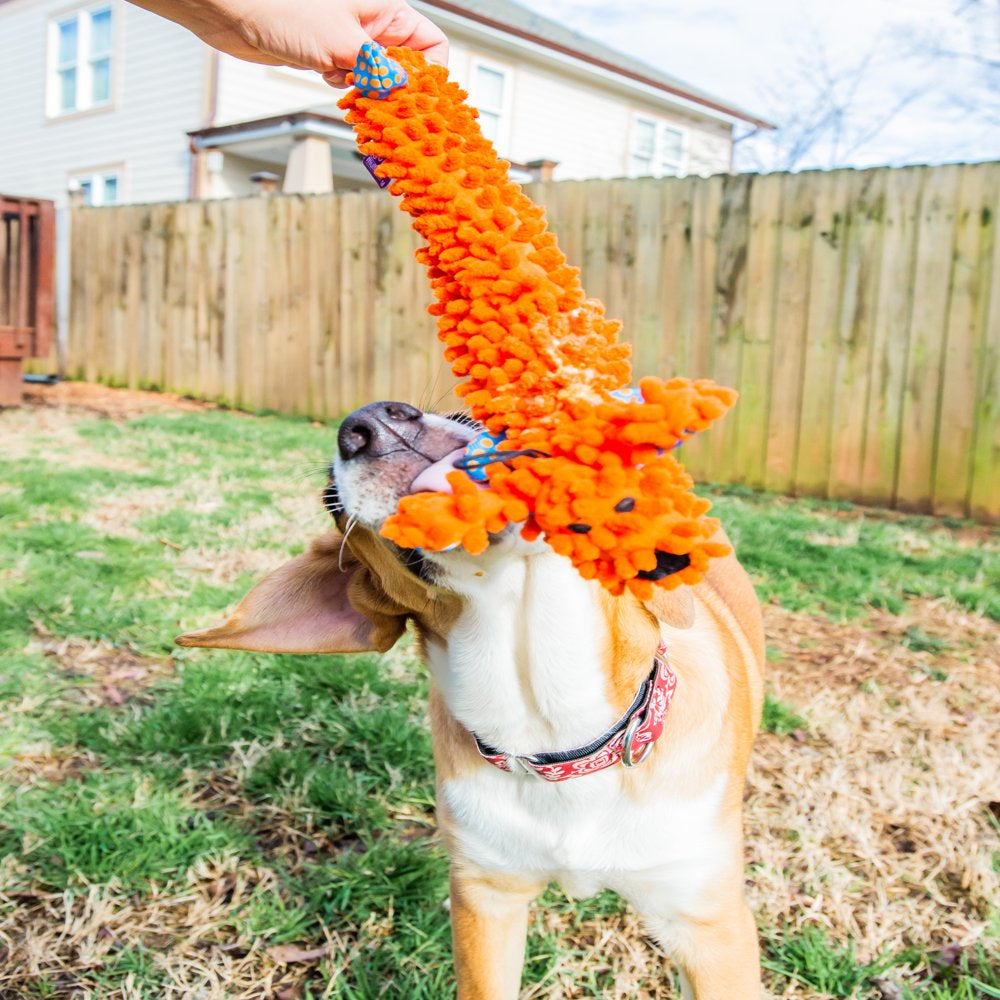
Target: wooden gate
[(27, 253)]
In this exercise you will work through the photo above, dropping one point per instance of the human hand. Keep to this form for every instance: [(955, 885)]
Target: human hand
[(321, 35)]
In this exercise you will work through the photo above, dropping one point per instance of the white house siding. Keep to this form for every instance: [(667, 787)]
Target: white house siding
[(710, 150), (248, 91), (157, 86), (555, 115)]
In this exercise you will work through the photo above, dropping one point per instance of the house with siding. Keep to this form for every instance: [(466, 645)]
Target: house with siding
[(116, 104)]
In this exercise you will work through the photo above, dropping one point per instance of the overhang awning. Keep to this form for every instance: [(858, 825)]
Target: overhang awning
[(270, 140)]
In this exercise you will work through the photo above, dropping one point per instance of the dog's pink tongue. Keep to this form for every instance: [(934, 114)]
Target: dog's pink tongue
[(434, 478)]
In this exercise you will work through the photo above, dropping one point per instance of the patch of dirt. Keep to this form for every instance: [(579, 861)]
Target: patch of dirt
[(116, 404), (46, 765), (117, 513), (103, 674)]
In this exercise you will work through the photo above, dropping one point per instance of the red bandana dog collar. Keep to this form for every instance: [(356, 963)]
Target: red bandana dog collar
[(629, 740)]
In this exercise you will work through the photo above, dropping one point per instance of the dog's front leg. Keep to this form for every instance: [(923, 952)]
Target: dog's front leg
[(489, 922), (719, 958)]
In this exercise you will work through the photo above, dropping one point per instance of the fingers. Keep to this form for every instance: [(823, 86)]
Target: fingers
[(419, 33), (399, 25)]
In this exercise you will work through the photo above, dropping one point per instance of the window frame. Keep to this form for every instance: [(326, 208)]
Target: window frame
[(83, 61), (91, 176), (661, 165), (502, 138)]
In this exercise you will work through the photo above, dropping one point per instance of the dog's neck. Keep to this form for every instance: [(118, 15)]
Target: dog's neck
[(530, 664)]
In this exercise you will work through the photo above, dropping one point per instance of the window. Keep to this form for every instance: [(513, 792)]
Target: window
[(80, 46), (488, 93), (657, 149), (97, 188)]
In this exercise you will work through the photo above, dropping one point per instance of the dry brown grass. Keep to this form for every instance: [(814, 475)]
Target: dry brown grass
[(68, 937), (877, 825)]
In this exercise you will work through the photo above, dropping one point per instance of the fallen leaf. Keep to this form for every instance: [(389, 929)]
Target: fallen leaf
[(292, 954)]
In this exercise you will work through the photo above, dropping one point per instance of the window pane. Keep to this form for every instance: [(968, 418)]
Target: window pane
[(100, 33), (101, 81), (640, 166), (644, 138), (67, 89), (673, 143), (87, 187), (488, 88), (490, 124), (67, 41), (110, 193)]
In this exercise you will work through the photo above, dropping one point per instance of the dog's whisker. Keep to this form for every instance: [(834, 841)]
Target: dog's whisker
[(317, 470), (429, 392), (331, 499), (351, 522), (437, 399)]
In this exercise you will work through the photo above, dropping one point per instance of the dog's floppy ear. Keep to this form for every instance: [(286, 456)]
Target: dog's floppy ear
[(323, 601), (672, 607)]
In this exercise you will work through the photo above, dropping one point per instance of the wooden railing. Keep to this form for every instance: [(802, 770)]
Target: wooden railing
[(27, 253)]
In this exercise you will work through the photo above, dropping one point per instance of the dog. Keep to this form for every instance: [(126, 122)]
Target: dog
[(547, 698)]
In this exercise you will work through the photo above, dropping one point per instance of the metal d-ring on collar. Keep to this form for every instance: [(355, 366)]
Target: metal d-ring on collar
[(628, 759)]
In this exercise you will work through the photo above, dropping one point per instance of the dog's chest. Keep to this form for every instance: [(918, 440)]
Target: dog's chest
[(589, 832)]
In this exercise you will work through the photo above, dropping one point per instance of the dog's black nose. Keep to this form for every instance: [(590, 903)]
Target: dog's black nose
[(377, 429)]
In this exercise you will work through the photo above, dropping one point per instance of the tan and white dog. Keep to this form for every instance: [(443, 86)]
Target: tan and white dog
[(531, 658)]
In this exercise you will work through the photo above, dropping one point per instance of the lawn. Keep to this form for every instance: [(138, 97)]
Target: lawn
[(189, 823)]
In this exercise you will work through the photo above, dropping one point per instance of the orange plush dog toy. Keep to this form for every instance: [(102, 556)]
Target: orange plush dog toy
[(580, 460)]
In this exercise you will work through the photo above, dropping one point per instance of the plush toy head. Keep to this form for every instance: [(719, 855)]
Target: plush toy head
[(570, 452)]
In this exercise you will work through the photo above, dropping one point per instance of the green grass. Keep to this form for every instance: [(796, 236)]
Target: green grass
[(780, 718), (837, 560), (108, 827), (232, 751), (810, 957)]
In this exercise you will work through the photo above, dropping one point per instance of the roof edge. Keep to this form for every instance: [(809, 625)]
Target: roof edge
[(727, 109)]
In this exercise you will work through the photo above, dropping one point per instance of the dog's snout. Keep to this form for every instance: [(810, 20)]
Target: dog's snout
[(378, 428)]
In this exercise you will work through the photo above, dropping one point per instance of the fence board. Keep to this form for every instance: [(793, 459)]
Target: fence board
[(967, 314), (984, 489), (933, 274), (889, 339), (731, 284), (763, 244), (858, 313), (791, 314), (825, 234), (862, 234)]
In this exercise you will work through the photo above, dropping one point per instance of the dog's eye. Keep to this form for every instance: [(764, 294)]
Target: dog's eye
[(331, 499)]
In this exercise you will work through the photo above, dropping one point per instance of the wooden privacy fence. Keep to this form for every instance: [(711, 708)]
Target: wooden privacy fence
[(858, 313)]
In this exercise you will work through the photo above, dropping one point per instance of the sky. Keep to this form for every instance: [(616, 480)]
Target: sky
[(854, 82)]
